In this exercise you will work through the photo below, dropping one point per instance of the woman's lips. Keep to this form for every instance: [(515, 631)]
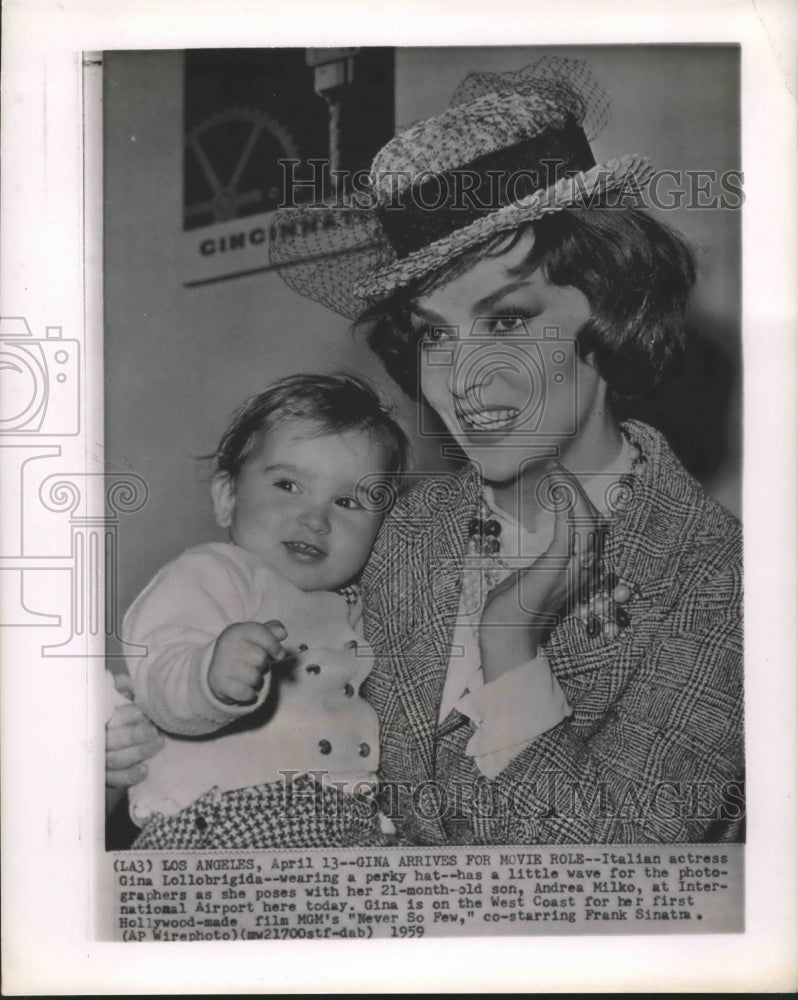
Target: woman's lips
[(494, 418), (304, 551)]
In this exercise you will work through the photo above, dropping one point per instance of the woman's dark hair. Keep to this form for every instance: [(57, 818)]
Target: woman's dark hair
[(334, 403), (635, 273)]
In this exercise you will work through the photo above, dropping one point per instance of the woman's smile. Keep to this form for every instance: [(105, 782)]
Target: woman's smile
[(487, 419)]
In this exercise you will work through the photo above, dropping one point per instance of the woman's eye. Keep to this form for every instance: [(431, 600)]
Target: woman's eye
[(507, 324), (432, 334), (287, 485)]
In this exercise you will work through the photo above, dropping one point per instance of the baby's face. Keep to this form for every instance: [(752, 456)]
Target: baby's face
[(297, 504)]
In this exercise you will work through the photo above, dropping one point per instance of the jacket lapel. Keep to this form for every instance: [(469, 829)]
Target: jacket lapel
[(638, 551), (421, 642)]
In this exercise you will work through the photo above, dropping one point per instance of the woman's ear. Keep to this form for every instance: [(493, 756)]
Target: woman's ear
[(590, 359), (223, 499)]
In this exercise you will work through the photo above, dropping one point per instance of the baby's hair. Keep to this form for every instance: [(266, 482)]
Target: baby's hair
[(334, 403)]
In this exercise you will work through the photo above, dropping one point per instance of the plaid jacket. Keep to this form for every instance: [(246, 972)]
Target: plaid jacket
[(653, 751)]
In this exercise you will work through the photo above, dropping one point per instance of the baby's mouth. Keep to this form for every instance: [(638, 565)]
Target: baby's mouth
[(490, 419), (304, 551)]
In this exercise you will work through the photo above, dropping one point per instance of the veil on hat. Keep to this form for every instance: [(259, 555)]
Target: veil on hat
[(522, 137)]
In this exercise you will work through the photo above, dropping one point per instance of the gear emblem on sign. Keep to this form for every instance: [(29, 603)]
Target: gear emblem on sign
[(232, 166)]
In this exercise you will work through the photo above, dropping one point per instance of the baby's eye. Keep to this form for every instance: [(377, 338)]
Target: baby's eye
[(348, 503), (287, 485)]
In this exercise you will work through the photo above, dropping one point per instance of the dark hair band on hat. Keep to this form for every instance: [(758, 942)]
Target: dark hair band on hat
[(441, 202)]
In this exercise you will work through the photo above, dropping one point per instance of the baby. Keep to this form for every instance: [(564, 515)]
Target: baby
[(253, 663)]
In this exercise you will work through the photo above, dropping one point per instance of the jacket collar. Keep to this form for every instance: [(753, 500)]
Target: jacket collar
[(435, 524)]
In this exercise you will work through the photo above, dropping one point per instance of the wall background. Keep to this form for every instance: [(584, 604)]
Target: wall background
[(178, 361)]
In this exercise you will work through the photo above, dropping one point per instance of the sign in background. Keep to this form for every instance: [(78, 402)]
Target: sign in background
[(248, 114)]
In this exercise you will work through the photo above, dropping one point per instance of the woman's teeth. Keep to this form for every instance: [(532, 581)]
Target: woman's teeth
[(488, 419)]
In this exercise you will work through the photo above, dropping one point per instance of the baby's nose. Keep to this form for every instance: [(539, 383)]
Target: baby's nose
[(316, 518)]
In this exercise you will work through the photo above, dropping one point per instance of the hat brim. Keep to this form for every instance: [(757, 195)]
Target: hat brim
[(349, 267), (613, 176)]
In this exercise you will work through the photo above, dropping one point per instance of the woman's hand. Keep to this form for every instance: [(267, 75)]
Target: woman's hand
[(518, 612), (130, 739)]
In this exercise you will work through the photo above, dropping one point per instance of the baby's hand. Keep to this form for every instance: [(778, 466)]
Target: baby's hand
[(241, 657)]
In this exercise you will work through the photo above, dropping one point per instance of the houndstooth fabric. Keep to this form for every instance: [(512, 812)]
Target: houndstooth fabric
[(280, 814), (653, 752)]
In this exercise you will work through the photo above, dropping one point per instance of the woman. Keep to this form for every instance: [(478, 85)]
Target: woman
[(557, 628)]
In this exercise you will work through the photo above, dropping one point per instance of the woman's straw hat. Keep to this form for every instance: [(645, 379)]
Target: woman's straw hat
[(511, 148)]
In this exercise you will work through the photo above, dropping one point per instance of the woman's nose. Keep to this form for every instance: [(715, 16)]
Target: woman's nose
[(471, 369), (316, 518)]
